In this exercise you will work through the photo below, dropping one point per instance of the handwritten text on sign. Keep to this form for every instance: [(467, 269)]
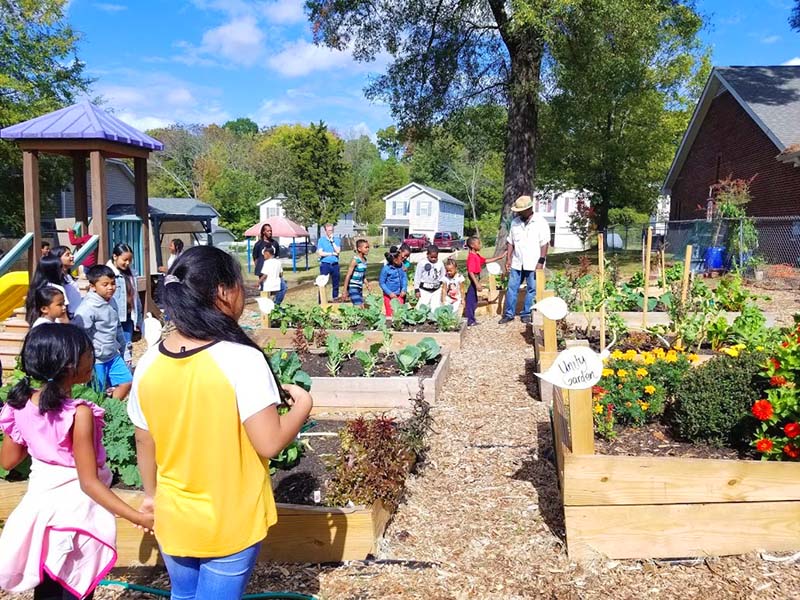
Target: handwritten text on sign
[(574, 369)]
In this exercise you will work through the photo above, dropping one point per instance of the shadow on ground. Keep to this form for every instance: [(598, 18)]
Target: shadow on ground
[(538, 468)]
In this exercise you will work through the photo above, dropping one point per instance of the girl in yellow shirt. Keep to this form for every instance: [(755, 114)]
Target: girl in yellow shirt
[(204, 403)]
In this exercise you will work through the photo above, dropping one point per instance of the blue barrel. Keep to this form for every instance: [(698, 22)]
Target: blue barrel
[(715, 258)]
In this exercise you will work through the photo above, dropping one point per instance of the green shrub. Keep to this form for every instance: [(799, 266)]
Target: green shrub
[(712, 403)]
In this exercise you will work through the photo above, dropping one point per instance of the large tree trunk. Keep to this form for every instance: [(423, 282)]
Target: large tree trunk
[(523, 122)]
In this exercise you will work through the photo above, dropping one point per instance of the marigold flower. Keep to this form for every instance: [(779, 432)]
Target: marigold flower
[(671, 358), (731, 352), (616, 354), (630, 354), (762, 410), (598, 390), (777, 380), (608, 372), (598, 408), (622, 373), (649, 390), (650, 360), (645, 405), (776, 364), (785, 344), (764, 445), (791, 450), (693, 357), (641, 372), (792, 430), (760, 348), (659, 351)]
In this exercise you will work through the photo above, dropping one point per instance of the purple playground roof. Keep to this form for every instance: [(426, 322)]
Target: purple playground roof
[(80, 122)]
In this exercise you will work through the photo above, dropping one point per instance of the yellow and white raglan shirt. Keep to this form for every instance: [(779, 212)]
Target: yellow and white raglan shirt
[(214, 494)]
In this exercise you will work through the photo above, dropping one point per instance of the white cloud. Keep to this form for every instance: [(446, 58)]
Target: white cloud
[(357, 130), (301, 58), (159, 99), (770, 39), (110, 8), (240, 41), (274, 111), (793, 62), (284, 12)]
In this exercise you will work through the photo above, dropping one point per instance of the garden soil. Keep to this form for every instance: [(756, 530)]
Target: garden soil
[(481, 519)]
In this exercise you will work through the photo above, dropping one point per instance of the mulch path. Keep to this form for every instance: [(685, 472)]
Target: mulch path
[(482, 518)]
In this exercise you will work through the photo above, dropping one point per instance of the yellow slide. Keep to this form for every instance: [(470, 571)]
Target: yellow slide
[(13, 289)]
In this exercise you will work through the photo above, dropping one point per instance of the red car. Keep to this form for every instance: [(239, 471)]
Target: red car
[(448, 240), (417, 241)]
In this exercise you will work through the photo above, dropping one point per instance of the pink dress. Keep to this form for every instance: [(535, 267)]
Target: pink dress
[(56, 528)]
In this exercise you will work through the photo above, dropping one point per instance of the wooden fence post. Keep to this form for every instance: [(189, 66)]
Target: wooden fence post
[(601, 264), (265, 323), (581, 422), (540, 285), (687, 269), (645, 288)]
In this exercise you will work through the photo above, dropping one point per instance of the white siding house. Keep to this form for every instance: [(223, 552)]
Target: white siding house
[(416, 208), (557, 208), (273, 207), (119, 190)]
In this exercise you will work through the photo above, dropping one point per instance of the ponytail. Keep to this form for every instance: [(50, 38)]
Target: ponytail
[(392, 254)]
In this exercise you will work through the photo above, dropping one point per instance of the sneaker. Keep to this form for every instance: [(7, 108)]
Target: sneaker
[(526, 319), (505, 320)]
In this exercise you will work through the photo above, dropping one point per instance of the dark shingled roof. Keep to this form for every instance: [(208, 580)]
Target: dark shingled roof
[(773, 94)]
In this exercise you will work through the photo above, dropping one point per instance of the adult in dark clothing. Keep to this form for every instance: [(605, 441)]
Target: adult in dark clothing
[(266, 239)]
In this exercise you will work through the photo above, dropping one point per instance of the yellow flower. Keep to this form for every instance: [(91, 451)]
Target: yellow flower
[(659, 351), (616, 354), (630, 354), (732, 351), (622, 373), (760, 348), (598, 408), (671, 356), (645, 405), (740, 346), (693, 357), (628, 404), (649, 390), (678, 345), (608, 372), (641, 372), (650, 360)]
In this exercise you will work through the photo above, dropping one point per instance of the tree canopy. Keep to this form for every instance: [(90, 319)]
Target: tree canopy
[(39, 73), (794, 18)]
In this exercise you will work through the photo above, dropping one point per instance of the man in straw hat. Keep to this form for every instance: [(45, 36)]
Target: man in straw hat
[(528, 239)]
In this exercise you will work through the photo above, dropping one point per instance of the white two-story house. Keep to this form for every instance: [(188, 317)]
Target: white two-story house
[(416, 208), (557, 208)]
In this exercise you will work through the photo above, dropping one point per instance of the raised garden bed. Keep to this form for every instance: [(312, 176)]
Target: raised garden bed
[(667, 507), (450, 340), (381, 393)]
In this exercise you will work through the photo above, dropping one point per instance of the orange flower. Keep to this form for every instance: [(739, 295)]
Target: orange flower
[(762, 410), (777, 380), (764, 445), (792, 430), (791, 450)]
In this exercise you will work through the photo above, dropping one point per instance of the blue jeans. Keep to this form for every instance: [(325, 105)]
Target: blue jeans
[(222, 578), (332, 269), (279, 295), (127, 330), (515, 277)]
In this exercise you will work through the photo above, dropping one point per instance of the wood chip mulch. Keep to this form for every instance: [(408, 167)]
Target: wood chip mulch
[(482, 517)]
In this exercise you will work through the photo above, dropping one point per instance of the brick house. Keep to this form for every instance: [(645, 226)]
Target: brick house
[(746, 124)]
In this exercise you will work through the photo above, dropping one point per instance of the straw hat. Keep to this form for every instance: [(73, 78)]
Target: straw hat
[(522, 203)]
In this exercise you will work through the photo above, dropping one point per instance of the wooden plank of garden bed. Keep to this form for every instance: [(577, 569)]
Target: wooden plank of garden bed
[(629, 480), (681, 530)]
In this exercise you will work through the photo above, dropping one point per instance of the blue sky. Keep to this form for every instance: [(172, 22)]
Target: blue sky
[(158, 62)]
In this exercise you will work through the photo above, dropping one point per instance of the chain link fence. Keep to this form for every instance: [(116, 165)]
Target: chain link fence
[(750, 243)]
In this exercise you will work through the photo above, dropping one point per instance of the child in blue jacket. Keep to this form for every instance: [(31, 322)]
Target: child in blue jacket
[(393, 279)]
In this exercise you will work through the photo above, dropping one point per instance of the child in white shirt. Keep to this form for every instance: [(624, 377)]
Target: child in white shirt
[(50, 306), (271, 272), (452, 286)]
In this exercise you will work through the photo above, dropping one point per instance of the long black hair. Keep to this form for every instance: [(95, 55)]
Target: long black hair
[(191, 297), (49, 271), (119, 250), (51, 353), (178, 243), (42, 297), (59, 251)]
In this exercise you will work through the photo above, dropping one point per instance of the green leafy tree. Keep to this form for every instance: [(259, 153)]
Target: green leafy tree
[(172, 170), (360, 155), (390, 142), (242, 126), (625, 75), (386, 176), (235, 195), (39, 72), (794, 18)]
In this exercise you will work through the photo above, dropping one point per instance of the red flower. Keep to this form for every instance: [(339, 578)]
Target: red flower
[(762, 410), (777, 380), (598, 390), (764, 445), (791, 450), (785, 344), (792, 430), (775, 363)]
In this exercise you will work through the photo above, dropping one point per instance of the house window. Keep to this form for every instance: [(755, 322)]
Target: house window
[(549, 206), (399, 208), (424, 208), (566, 205), (273, 212)]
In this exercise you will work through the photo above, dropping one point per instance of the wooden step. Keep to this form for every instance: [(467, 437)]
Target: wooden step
[(12, 339), (15, 326), (8, 356), (19, 313)]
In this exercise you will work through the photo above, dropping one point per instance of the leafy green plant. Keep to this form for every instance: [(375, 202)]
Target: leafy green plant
[(372, 314), (409, 359), (405, 314), (372, 464), (338, 350), (731, 294), (446, 318), (350, 316), (430, 349), (712, 403), (369, 359), (386, 342), (290, 456), (288, 369)]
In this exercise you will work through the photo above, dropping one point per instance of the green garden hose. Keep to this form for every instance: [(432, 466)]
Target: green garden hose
[(165, 593)]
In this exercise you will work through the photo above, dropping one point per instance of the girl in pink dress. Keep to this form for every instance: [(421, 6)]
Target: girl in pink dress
[(60, 540)]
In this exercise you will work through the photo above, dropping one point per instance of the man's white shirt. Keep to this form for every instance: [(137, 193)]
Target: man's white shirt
[(528, 238)]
